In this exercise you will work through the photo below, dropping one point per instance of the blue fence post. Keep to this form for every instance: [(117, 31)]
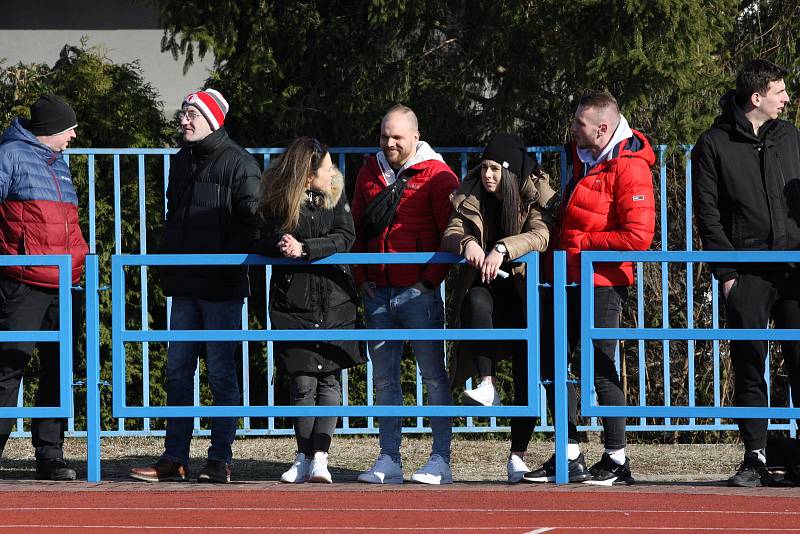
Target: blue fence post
[(560, 377), (92, 370)]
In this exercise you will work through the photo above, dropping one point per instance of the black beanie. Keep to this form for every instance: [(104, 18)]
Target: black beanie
[(50, 115), (509, 152)]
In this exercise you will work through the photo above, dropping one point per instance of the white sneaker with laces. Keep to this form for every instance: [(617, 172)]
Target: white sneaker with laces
[(298, 473), (319, 468), (516, 469), (384, 471), (436, 471), (483, 395)]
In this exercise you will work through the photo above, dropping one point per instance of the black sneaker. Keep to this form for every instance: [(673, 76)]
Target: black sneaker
[(607, 472), (55, 469), (215, 472), (751, 473), (547, 473)]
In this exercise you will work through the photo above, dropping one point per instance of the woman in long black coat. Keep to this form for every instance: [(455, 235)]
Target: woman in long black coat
[(306, 215)]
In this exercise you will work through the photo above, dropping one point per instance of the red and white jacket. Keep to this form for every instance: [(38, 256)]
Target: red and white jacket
[(419, 222), (610, 206)]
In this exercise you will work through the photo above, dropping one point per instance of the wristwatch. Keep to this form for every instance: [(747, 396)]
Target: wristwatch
[(501, 248)]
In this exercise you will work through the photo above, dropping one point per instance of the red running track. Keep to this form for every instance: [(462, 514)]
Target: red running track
[(355, 508)]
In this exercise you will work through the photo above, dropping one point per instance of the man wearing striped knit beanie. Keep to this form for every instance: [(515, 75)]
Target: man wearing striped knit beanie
[(211, 209)]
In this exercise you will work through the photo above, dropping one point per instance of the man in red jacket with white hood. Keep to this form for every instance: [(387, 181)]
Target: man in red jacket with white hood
[(405, 296), (607, 204)]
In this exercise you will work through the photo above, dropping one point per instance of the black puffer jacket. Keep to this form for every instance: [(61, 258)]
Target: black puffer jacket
[(212, 200), (311, 298), (746, 187)]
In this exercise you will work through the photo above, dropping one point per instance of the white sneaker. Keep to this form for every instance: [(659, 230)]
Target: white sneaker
[(436, 471), (298, 473), (516, 468), (384, 471), (483, 395), (319, 468)]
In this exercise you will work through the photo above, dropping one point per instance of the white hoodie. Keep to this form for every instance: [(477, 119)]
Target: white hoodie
[(622, 132)]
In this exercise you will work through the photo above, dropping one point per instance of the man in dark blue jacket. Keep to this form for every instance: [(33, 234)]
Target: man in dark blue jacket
[(211, 209), (38, 215)]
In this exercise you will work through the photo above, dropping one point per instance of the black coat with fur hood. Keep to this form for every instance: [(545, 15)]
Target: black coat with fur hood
[(315, 297)]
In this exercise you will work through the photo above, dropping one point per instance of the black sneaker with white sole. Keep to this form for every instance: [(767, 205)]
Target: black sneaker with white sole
[(547, 473), (751, 473), (607, 472)]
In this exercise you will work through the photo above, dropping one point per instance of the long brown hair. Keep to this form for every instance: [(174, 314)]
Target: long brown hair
[(284, 183)]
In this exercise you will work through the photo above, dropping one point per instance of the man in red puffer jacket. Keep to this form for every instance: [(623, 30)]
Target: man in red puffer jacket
[(405, 296), (607, 204)]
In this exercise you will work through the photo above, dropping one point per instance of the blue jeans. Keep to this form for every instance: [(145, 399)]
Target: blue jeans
[(406, 307), (198, 314)]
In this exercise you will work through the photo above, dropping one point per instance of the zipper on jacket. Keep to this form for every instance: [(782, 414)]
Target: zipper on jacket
[(61, 203)]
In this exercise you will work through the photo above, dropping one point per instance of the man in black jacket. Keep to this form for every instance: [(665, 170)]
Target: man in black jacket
[(746, 176), (211, 209)]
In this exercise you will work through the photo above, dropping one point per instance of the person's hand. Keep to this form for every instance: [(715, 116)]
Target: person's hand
[(491, 263), (474, 255), (367, 288), (726, 287), (290, 247)]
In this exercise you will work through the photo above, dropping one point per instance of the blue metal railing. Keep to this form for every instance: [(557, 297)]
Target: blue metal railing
[(149, 168), (122, 335), (139, 160), (62, 336)]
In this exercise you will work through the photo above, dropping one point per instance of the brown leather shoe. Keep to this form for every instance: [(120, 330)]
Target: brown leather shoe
[(215, 472), (162, 471)]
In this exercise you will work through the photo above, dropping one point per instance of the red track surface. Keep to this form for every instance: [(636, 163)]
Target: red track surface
[(358, 508)]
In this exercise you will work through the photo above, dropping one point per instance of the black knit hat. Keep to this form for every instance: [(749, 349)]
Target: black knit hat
[(509, 152), (50, 115)]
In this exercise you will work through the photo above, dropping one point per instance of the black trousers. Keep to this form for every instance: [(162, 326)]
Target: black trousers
[(755, 297), (498, 305), (24, 307), (317, 389), (607, 308)]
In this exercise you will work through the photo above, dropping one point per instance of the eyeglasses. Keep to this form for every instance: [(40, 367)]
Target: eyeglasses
[(190, 115), (316, 146)]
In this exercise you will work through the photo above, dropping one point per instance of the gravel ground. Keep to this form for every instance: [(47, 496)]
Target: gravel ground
[(473, 460)]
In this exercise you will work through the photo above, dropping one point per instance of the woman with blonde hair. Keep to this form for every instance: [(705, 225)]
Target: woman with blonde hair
[(503, 210), (306, 216)]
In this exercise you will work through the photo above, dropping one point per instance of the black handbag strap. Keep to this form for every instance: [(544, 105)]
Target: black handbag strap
[(380, 212)]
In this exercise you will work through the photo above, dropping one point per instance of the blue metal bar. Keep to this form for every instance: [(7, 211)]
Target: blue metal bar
[(143, 285), (560, 376), (642, 351), (322, 411), (690, 352), (246, 360), (64, 264), (92, 370), (117, 207), (665, 348), (371, 334), (92, 207)]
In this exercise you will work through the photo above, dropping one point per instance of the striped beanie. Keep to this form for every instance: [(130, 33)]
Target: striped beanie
[(211, 104)]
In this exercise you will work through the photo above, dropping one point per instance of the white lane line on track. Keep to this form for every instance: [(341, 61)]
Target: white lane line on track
[(345, 509), (399, 529), (541, 530)]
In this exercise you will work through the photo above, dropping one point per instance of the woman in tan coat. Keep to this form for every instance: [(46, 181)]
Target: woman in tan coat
[(497, 218)]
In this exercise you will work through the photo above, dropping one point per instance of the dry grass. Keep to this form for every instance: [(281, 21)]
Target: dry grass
[(481, 459)]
